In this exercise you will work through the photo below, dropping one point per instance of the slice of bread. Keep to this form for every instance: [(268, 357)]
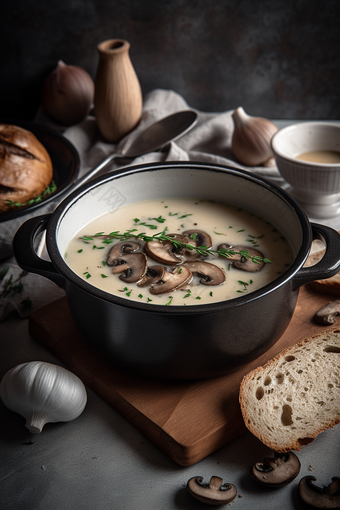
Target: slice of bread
[(295, 396)]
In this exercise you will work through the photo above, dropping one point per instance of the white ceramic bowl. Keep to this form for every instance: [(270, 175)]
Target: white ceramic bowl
[(315, 185)]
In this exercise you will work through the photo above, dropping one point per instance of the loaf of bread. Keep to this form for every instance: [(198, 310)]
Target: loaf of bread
[(329, 285), (295, 396), (25, 166)]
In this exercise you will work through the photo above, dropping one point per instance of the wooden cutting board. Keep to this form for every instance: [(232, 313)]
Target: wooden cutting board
[(187, 420)]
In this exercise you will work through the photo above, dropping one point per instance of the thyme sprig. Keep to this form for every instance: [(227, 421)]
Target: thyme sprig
[(36, 200), (204, 251), (13, 285)]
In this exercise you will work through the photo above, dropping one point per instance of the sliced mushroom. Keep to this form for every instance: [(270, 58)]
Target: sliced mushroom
[(185, 254), (325, 497), (209, 273), (328, 313), (277, 471), (202, 238), (118, 249), (215, 493), (171, 281), (240, 261), (162, 252), (152, 276), (132, 265)]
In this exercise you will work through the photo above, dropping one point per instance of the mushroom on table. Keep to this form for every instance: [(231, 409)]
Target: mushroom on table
[(277, 471), (214, 493), (317, 497)]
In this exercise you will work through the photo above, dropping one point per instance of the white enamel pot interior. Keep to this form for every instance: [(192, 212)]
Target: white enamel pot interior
[(179, 342)]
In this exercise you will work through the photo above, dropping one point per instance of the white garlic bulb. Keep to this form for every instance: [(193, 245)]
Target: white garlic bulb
[(251, 139), (42, 392)]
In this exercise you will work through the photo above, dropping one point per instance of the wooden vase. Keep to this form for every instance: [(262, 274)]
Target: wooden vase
[(118, 97)]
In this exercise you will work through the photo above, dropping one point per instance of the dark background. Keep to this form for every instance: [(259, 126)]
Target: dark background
[(276, 58)]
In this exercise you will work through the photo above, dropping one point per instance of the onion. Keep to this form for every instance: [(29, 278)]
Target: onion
[(68, 94)]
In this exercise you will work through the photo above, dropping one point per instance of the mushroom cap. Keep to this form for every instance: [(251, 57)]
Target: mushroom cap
[(132, 265), (152, 276), (209, 273), (277, 471), (162, 252), (241, 262), (213, 494), (326, 497), (171, 281), (118, 249), (202, 238)]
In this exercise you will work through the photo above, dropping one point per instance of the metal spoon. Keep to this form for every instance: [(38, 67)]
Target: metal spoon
[(153, 138)]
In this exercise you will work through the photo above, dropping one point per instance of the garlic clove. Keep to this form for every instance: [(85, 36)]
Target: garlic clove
[(42, 393), (251, 139), (68, 94)]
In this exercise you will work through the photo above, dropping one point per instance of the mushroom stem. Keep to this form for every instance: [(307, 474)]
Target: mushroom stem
[(326, 497), (213, 494)]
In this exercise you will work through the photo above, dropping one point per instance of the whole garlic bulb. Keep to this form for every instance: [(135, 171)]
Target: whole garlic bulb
[(251, 139), (42, 392), (68, 94)]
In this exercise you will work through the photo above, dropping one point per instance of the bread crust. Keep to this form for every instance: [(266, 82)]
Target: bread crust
[(248, 380), (25, 166)]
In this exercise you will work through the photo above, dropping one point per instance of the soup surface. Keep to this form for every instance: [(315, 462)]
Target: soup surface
[(320, 156), (237, 227)]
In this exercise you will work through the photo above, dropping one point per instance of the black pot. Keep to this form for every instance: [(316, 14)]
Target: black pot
[(179, 342)]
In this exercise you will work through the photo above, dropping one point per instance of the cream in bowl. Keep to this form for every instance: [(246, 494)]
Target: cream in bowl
[(307, 155), (234, 252)]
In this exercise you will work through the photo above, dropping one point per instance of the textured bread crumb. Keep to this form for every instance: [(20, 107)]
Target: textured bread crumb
[(295, 396)]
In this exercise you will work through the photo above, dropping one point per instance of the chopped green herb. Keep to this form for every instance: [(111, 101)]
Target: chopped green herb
[(128, 293), (103, 275), (173, 214), (79, 251), (103, 263), (241, 230), (170, 301), (136, 220), (198, 297), (148, 300), (185, 216), (94, 247), (210, 294), (166, 206), (188, 294), (218, 233), (50, 189), (179, 270), (88, 276), (159, 219), (140, 296)]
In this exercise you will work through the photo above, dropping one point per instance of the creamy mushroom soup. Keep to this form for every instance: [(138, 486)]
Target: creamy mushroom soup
[(163, 273)]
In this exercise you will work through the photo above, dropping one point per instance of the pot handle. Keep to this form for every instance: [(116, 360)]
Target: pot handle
[(329, 265), (24, 252)]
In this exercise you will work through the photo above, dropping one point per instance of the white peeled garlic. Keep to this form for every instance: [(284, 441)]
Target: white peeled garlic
[(251, 139), (68, 94), (42, 393)]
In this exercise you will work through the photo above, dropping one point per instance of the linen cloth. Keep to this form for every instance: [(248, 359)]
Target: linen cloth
[(209, 141)]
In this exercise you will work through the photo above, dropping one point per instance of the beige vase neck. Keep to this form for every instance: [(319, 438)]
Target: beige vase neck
[(118, 97)]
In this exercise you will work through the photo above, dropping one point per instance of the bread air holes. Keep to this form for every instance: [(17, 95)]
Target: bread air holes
[(279, 378), (332, 348), (286, 416), (289, 358), (259, 393), (267, 380)]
